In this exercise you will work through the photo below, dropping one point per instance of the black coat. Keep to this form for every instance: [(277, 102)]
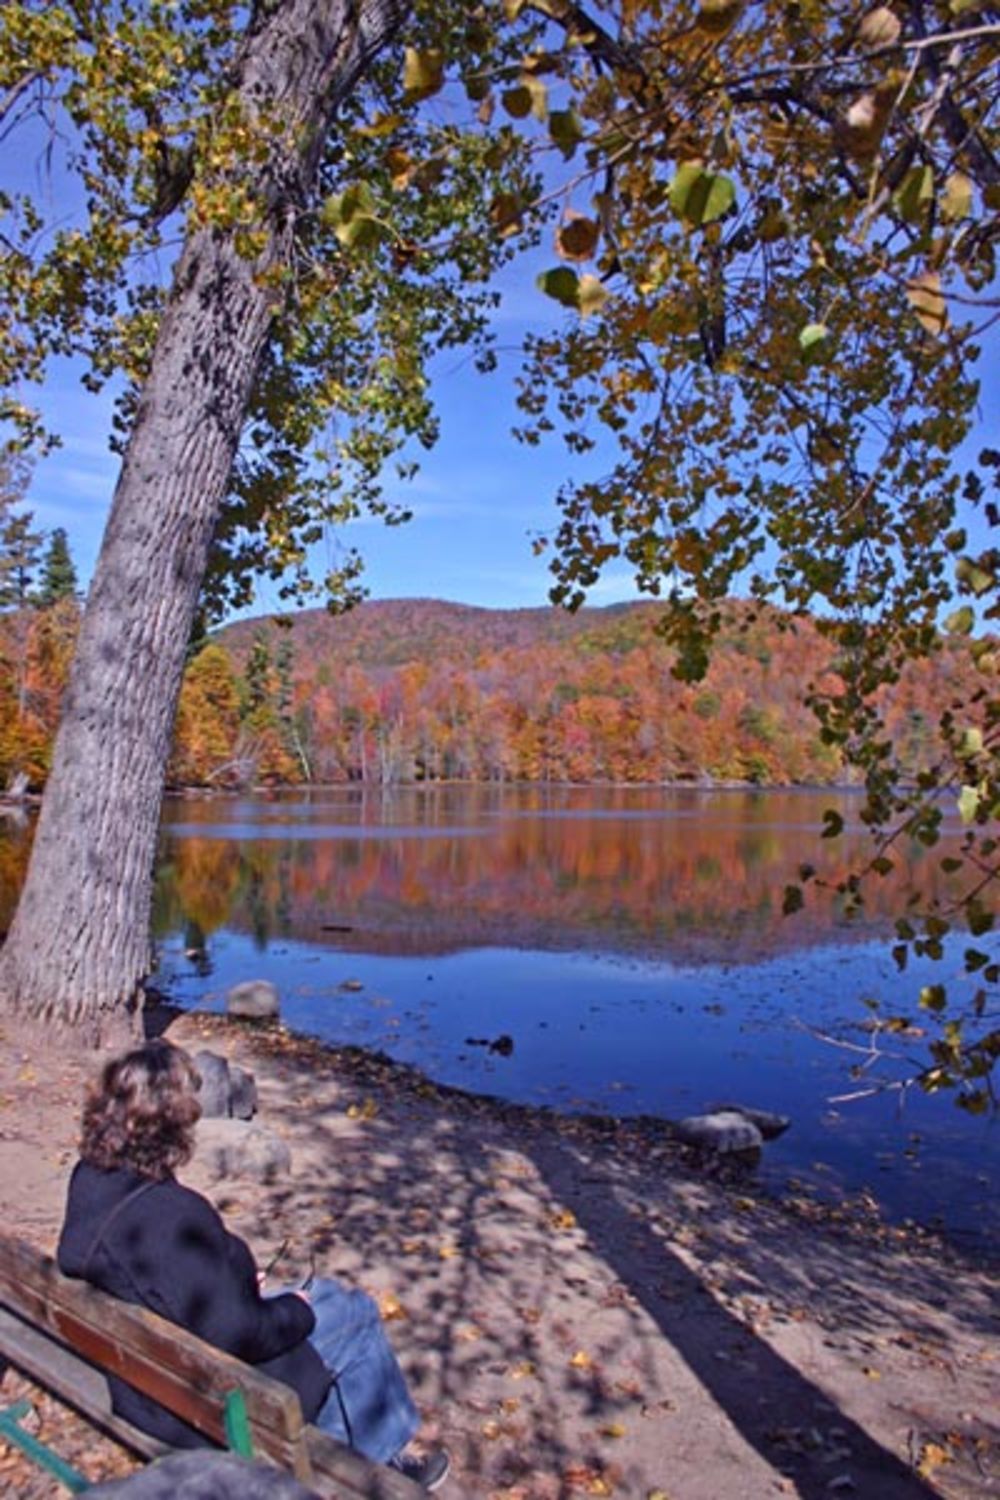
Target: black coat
[(170, 1251)]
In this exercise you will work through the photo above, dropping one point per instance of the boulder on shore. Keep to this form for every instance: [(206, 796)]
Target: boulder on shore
[(253, 1000), (227, 1091), (203, 1476), (238, 1148)]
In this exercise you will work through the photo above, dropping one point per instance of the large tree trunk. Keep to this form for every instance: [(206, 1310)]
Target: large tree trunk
[(79, 945)]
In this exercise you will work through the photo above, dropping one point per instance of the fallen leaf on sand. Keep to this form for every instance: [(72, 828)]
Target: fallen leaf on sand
[(932, 1455), (612, 1430), (590, 1481), (582, 1360), (565, 1218), (521, 1371), (391, 1308)]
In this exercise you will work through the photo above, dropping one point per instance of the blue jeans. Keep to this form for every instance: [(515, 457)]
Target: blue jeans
[(369, 1406)]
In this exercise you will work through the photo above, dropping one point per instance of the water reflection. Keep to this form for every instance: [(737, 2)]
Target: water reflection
[(687, 874), (629, 942)]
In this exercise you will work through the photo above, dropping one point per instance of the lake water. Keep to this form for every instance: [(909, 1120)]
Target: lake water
[(628, 942)]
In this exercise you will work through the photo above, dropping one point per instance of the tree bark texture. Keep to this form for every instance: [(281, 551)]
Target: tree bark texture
[(79, 946)]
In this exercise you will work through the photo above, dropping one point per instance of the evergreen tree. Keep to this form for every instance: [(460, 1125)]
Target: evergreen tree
[(58, 578), (256, 686), (19, 552)]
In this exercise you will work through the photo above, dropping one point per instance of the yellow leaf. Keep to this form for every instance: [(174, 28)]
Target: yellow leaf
[(716, 16), (591, 294), (880, 28), (927, 300), (521, 1371), (391, 1308), (932, 1455), (564, 1218), (582, 1361), (956, 199), (468, 1333), (871, 1373), (613, 1430), (423, 72)]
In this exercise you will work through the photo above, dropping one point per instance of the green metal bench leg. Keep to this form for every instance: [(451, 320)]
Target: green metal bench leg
[(12, 1432), (237, 1424)]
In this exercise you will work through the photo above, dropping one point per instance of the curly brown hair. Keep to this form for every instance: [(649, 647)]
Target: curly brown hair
[(142, 1111)]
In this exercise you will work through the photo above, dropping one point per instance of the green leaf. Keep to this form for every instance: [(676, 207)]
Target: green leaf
[(972, 741), (968, 803), (915, 194), (423, 72), (565, 130), (979, 919), (975, 959), (974, 1101), (562, 284), (960, 621), (814, 341), (792, 901), (933, 997), (833, 824), (716, 16), (975, 578), (517, 101), (699, 197)]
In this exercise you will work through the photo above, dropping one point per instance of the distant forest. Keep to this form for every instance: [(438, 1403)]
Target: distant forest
[(423, 691)]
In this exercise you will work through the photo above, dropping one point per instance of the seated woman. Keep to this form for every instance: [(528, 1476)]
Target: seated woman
[(134, 1231)]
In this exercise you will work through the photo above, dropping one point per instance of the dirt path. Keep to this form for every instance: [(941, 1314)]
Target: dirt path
[(580, 1310)]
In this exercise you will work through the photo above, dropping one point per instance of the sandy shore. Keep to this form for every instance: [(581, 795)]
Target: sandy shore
[(581, 1311)]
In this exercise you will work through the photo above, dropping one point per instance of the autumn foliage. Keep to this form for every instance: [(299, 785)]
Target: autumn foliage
[(421, 691)]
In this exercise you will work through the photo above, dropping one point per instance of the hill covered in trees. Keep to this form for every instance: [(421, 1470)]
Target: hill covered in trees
[(421, 690)]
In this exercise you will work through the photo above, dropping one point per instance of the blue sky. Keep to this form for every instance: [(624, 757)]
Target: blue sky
[(478, 501)]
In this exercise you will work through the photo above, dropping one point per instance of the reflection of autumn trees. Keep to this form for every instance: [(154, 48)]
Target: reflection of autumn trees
[(468, 870)]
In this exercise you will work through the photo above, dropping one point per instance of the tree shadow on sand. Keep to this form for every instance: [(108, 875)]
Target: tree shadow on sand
[(572, 1311)]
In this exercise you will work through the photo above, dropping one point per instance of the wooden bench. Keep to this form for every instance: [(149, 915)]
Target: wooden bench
[(64, 1333)]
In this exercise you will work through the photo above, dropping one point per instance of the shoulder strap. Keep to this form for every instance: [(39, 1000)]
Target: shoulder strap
[(109, 1218)]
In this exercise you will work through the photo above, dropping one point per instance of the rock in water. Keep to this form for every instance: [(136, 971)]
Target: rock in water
[(254, 1000), (769, 1125), (723, 1130)]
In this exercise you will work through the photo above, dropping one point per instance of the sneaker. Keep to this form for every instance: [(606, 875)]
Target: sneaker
[(429, 1471)]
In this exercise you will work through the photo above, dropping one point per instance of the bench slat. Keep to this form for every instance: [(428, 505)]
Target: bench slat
[(48, 1311), (159, 1358), (75, 1381)]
